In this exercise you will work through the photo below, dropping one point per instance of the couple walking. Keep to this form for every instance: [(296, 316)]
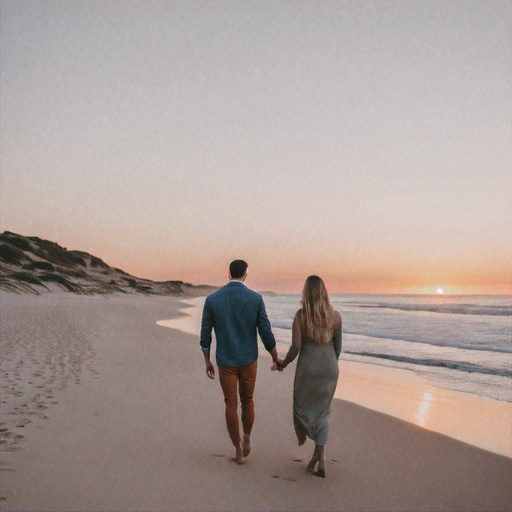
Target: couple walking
[(237, 314)]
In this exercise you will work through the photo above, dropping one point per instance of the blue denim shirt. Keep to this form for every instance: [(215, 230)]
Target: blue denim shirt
[(236, 314)]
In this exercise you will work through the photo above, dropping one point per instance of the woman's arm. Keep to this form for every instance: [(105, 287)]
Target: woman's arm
[(336, 340), (296, 341)]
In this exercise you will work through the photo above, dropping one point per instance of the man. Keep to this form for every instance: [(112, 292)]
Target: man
[(237, 314)]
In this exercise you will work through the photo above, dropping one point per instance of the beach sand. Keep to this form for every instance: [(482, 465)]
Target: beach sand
[(126, 420)]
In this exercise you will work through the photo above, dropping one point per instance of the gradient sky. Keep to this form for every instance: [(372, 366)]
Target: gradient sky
[(367, 142)]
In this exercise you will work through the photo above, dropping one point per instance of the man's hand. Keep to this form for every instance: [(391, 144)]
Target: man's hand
[(210, 370), (278, 365)]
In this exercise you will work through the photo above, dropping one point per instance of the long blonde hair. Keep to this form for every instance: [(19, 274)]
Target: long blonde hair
[(317, 314)]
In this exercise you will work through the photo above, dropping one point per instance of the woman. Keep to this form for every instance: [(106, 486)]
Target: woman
[(316, 338)]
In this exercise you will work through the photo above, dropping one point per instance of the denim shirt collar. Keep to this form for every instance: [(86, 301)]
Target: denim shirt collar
[(236, 282)]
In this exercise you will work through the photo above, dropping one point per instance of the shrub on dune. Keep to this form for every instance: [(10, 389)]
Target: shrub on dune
[(77, 260), (62, 281), (52, 251), (78, 257), (41, 265), (11, 254), (72, 272), (16, 286), (97, 262), (26, 277), (18, 241)]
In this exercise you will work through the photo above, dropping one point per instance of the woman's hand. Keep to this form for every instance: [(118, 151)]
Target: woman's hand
[(278, 365)]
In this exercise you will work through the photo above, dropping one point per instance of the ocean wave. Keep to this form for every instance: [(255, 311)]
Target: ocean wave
[(452, 309), (440, 363), (282, 325), (397, 337), (483, 347)]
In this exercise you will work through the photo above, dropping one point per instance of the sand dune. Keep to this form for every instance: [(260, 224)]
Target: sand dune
[(33, 265)]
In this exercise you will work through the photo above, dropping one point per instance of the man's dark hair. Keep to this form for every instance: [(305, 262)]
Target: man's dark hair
[(237, 268)]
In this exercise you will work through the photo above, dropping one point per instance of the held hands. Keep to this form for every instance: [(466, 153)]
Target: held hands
[(277, 365), (278, 362)]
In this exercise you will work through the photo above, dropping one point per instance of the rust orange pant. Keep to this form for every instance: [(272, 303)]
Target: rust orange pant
[(238, 380)]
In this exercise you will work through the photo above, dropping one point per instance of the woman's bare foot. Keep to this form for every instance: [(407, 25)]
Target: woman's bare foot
[(246, 447), (310, 468), (321, 462)]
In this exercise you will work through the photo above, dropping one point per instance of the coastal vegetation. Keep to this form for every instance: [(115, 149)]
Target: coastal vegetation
[(34, 265)]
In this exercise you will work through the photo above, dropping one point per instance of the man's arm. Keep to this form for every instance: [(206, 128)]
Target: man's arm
[(210, 370), (266, 335), (206, 339)]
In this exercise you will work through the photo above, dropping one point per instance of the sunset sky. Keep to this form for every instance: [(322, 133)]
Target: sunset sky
[(366, 142)]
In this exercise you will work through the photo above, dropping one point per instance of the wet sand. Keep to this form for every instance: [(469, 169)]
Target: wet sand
[(476, 420), (480, 421), (138, 426)]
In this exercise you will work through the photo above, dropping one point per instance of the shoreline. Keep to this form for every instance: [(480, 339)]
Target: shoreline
[(138, 427), (405, 395)]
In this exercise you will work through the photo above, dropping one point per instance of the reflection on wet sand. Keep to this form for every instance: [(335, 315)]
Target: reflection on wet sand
[(476, 420)]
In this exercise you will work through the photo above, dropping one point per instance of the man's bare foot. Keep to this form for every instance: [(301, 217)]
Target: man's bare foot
[(239, 456), (246, 448)]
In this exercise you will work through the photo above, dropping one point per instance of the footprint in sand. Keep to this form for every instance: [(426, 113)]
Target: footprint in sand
[(216, 455), (283, 478), (9, 437), (11, 448)]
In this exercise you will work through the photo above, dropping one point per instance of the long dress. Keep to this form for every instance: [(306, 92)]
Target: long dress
[(315, 381)]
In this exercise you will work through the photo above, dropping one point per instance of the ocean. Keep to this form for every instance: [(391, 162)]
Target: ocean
[(462, 343)]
